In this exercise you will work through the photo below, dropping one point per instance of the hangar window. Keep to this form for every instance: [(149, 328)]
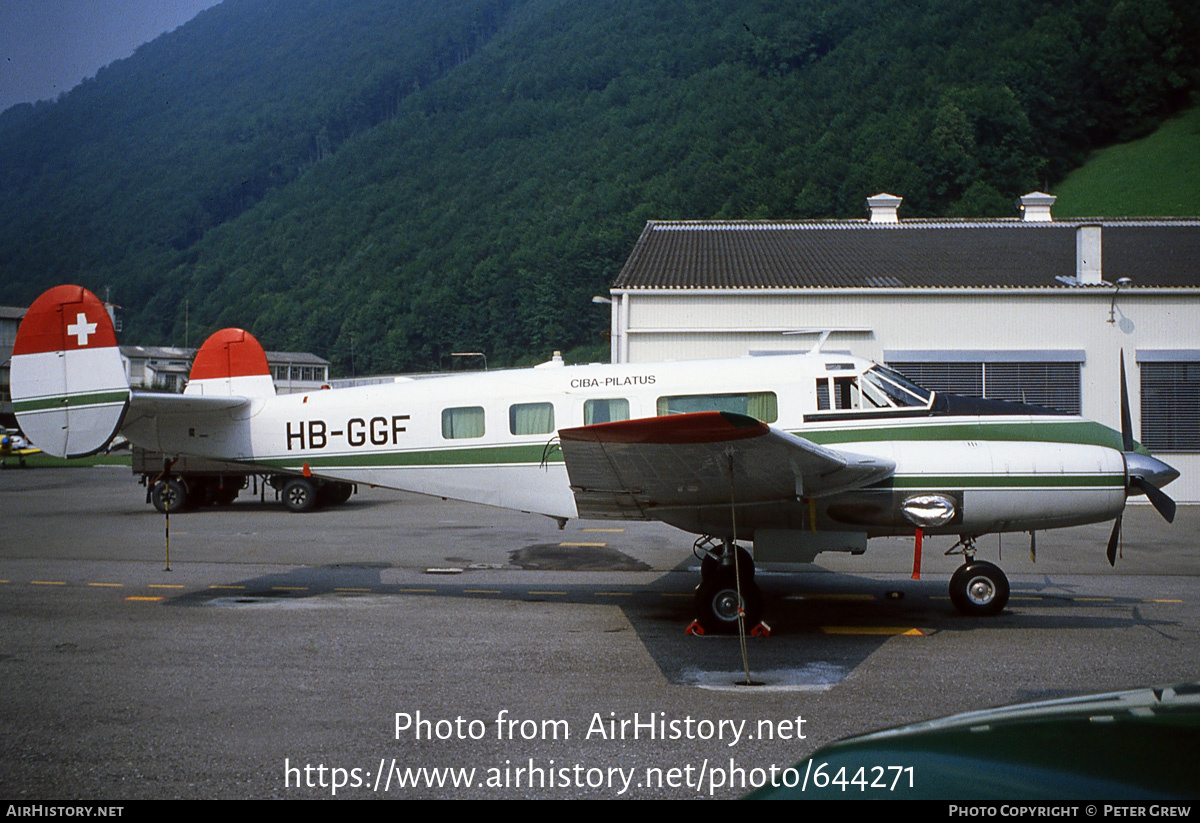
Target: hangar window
[(531, 418), (1170, 406), (762, 406), (605, 411), (1050, 379), (462, 422)]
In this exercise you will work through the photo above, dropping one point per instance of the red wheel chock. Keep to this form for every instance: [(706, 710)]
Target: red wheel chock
[(694, 628)]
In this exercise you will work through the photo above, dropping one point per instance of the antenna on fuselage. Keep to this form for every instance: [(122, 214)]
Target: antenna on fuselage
[(823, 335)]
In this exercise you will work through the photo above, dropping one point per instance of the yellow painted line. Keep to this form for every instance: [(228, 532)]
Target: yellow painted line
[(425, 591), (48, 582), (1156, 600), (580, 545), (107, 585), (350, 589), (602, 530), (289, 588), (481, 591), (144, 599), (830, 596), (891, 631), (615, 594), (1093, 599), (1014, 597), (5, 581), (165, 586), (533, 592), (676, 594), (219, 586)]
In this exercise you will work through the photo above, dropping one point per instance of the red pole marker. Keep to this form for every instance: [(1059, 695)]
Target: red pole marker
[(916, 575)]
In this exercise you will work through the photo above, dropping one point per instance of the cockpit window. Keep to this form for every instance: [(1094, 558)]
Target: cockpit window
[(901, 390), (878, 388)]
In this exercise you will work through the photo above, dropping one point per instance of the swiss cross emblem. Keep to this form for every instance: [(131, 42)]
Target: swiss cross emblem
[(81, 329)]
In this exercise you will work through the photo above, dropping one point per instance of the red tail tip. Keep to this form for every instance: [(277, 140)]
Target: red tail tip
[(229, 353), (65, 318)]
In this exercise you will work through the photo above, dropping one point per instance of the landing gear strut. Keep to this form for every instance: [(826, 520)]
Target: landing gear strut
[(978, 588), (716, 600)]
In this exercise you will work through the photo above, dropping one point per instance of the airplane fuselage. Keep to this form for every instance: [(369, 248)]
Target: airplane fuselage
[(490, 437)]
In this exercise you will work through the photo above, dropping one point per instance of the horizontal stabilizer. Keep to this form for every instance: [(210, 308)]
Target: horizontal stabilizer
[(69, 387)]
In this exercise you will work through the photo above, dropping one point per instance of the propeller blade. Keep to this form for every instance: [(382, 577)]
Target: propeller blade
[(1113, 540), (1126, 417), (1158, 498)]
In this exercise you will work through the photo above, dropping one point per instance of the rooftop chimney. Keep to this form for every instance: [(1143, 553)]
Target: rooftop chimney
[(1035, 207), (1089, 269), (883, 208)]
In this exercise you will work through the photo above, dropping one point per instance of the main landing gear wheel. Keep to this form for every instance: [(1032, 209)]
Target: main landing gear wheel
[(979, 588), (717, 602), (710, 566), (299, 495)]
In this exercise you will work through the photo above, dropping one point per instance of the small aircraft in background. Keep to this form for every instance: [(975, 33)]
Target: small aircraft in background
[(794, 454), (14, 444)]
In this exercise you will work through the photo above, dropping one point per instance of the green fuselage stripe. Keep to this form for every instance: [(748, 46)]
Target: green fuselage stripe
[(1005, 481), (482, 455), (1082, 432), (71, 401)]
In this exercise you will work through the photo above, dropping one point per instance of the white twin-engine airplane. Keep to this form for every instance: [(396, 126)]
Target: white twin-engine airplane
[(797, 454)]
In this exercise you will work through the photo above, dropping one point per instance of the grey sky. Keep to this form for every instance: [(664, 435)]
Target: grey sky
[(48, 46)]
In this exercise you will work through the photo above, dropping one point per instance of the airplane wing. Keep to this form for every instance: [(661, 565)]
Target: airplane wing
[(632, 468)]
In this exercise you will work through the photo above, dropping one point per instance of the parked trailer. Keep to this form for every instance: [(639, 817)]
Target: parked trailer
[(195, 481)]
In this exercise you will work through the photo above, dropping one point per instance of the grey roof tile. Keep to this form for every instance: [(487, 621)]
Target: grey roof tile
[(909, 254)]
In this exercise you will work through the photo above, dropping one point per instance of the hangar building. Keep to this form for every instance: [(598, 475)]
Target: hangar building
[(1030, 308)]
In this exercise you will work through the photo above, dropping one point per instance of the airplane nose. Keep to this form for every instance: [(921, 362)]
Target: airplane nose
[(1149, 469)]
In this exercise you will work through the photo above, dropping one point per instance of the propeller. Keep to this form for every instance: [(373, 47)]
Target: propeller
[(1144, 474)]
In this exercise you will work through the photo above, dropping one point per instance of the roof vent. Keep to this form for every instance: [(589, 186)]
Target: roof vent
[(1035, 207), (883, 207)]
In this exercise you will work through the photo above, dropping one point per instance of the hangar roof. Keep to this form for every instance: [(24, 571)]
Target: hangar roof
[(913, 253)]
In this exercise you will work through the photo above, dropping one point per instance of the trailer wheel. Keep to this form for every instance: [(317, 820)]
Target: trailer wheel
[(299, 495), (335, 493), (173, 492)]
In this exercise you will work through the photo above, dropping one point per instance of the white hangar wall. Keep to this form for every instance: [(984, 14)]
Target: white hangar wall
[(1152, 326)]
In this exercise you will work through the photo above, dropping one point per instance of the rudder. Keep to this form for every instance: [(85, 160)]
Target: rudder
[(69, 388)]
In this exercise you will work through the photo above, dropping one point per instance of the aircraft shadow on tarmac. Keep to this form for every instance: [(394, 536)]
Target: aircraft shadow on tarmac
[(823, 625)]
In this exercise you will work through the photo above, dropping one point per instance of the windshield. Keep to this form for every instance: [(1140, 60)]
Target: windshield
[(898, 389)]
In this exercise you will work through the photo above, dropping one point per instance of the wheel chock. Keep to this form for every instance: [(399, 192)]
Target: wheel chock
[(694, 628), (761, 630)]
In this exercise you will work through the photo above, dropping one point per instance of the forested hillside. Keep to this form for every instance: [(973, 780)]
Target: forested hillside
[(383, 182)]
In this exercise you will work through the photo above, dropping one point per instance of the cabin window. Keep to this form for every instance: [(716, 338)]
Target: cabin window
[(462, 422), (605, 411), (1170, 406), (763, 406), (531, 418)]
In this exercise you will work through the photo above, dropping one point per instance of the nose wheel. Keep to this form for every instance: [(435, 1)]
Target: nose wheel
[(979, 588)]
